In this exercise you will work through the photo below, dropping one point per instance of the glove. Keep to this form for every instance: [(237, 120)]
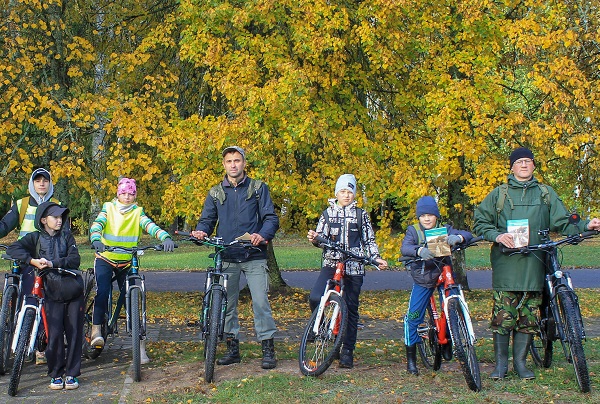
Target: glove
[(168, 245), (98, 246), (454, 239), (425, 253)]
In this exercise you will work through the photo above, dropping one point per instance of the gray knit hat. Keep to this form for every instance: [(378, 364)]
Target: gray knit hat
[(346, 181)]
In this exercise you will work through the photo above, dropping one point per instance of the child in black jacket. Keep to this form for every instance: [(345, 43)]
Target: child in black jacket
[(53, 246)]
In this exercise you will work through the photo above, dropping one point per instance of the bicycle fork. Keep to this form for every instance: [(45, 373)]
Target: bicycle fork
[(334, 325), (560, 282), (142, 287), (464, 308), (211, 287)]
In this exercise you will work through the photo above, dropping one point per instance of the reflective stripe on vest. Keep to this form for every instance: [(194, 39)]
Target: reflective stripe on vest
[(121, 230), (28, 224)]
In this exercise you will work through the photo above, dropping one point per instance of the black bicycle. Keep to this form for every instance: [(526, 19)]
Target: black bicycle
[(132, 295), (324, 334), (559, 316), (214, 301), (11, 295)]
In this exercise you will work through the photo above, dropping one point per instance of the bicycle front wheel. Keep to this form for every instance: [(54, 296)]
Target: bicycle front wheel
[(7, 323), (318, 351), (21, 351), (429, 347), (572, 322), (136, 337), (463, 347), (212, 335)]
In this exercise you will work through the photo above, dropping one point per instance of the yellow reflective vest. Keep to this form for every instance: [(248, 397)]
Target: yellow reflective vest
[(121, 230)]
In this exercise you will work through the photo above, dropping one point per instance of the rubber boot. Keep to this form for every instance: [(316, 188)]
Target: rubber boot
[(143, 355), (347, 358), (501, 354), (411, 360), (233, 351), (521, 343), (268, 348), (97, 340)]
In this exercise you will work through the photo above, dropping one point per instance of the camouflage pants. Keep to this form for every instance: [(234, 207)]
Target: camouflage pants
[(516, 311)]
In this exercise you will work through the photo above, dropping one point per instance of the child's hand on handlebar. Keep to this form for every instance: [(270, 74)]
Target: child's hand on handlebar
[(382, 263), (311, 235)]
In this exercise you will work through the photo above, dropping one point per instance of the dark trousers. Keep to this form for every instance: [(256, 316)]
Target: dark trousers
[(104, 272), (352, 286), (64, 319)]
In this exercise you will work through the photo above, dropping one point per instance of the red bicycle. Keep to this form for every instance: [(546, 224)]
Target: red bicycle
[(29, 336), (453, 314), (325, 331)]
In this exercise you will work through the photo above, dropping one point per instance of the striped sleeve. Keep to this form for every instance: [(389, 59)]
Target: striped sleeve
[(152, 228), (98, 225)]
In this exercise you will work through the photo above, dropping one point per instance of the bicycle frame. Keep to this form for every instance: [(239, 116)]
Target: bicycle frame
[(37, 293), (454, 291), (334, 286)]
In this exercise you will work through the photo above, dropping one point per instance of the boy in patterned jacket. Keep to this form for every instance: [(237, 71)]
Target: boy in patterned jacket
[(349, 226)]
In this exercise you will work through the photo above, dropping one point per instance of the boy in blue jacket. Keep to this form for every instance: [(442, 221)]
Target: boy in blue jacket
[(424, 273)]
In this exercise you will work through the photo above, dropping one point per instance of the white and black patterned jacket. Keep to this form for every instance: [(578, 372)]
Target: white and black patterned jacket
[(342, 227)]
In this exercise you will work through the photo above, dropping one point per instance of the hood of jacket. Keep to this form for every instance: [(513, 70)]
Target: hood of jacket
[(39, 213), (39, 198)]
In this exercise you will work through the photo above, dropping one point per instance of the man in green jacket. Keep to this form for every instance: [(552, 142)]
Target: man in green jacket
[(518, 280)]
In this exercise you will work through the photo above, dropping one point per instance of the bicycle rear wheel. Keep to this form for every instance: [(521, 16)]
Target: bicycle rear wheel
[(541, 345), (429, 347), (21, 351), (211, 335), (463, 347), (136, 337), (572, 322), (7, 323), (317, 351)]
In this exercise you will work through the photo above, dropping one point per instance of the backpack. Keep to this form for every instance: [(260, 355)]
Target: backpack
[(218, 193), (420, 234), (503, 194), (359, 218)]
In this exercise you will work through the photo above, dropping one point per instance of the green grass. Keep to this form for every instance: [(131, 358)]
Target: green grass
[(380, 377)]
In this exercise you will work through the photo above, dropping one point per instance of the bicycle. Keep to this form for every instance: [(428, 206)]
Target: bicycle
[(323, 335), (559, 316), (132, 295), (214, 300), (453, 315), (30, 334), (11, 295)]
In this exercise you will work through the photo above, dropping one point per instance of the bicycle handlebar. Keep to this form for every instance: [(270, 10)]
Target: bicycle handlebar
[(157, 247), (549, 245), (218, 241), (457, 247), (327, 243)]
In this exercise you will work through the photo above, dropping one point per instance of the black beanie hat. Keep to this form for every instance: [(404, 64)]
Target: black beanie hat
[(520, 153)]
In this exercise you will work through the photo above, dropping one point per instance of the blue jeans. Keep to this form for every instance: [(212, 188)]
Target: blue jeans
[(258, 283)]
